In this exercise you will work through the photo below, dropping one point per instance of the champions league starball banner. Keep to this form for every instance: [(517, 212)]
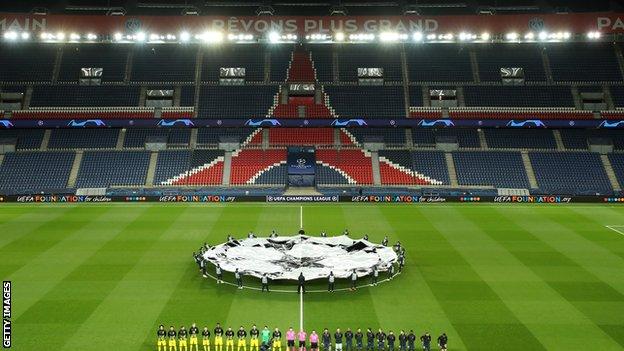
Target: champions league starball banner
[(285, 257)]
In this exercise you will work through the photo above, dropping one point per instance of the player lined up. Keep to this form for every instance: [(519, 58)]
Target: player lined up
[(266, 340)]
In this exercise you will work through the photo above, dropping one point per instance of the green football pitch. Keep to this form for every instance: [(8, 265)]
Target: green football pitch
[(493, 277)]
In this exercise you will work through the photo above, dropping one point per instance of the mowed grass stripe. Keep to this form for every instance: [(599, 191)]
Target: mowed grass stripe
[(96, 278), (20, 221), (21, 241), (531, 295), (193, 298), (596, 299), (415, 306), (480, 316), (593, 227), (140, 297), (37, 277)]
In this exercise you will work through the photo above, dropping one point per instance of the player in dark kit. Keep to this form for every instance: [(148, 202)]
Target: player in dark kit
[(242, 342), (370, 340), (338, 339), (391, 339), (277, 340), (229, 339), (358, 339), (182, 334), (442, 341), (381, 340), (402, 341), (326, 338), (193, 331), (161, 336), (206, 339), (254, 333), (173, 336), (348, 340), (426, 341), (218, 335), (411, 339)]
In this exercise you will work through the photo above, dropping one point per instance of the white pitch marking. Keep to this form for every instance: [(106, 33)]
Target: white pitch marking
[(301, 309), (300, 217), (616, 230)]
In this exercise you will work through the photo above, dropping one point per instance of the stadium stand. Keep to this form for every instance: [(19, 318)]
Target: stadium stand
[(27, 62), (171, 163), (27, 139), (176, 137), (329, 175), (225, 101), (248, 164), (520, 139), (492, 58), (212, 136), (577, 139), (35, 171), (83, 138), (617, 162), (301, 136), (277, 175), (427, 167), (352, 57), (367, 101), (518, 96), (438, 63), (390, 136), (617, 93), (592, 62), (280, 63), (112, 168), (250, 57), (355, 165), (111, 58), (570, 173), (85, 96), (164, 63), (205, 167), (497, 169), (323, 62)]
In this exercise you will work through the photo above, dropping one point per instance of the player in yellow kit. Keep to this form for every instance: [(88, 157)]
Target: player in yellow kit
[(182, 334), (229, 339), (241, 334), (277, 340), (206, 339), (161, 338), (193, 331), (218, 333), (173, 339), (253, 343)]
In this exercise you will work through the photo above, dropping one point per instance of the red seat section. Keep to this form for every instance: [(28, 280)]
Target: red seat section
[(396, 175), (209, 175), (246, 163), (355, 163), (618, 114), (301, 68), (301, 136)]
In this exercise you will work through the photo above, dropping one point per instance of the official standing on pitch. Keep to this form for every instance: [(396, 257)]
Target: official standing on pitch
[(391, 339), (391, 271), (353, 280), (402, 341), (239, 278), (411, 340), (265, 282), (338, 339), (326, 340), (358, 340), (381, 340), (370, 340), (219, 274), (331, 279), (301, 286), (348, 340), (426, 342), (442, 341), (375, 275), (401, 262)]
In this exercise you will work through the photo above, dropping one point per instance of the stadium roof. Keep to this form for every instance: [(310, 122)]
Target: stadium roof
[(311, 7)]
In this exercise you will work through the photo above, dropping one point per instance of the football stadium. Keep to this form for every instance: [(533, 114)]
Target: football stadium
[(196, 175)]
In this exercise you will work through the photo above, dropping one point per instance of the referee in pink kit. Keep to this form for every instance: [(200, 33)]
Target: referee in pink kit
[(302, 340)]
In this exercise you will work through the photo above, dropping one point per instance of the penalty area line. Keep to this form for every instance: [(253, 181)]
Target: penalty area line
[(613, 227), (300, 217)]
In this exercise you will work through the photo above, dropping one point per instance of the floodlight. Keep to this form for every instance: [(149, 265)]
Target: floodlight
[(339, 36), (140, 36), (511, 36), (185, 36), (485, 36), (543, 35), (418, 36), (10, 35), (274, 37)]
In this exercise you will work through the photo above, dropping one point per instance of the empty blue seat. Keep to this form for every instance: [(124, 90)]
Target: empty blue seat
[(367, 101), (277, 175), (570, 173), (497, 169), (520, 138), (236, 101), (518, 96), (583, 62), (438, 63), (83, 138), (85, 96), (112, 58), (100, 169), (25, 62), (164, 63), (35, 172), (492, 58), (352, 57)]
